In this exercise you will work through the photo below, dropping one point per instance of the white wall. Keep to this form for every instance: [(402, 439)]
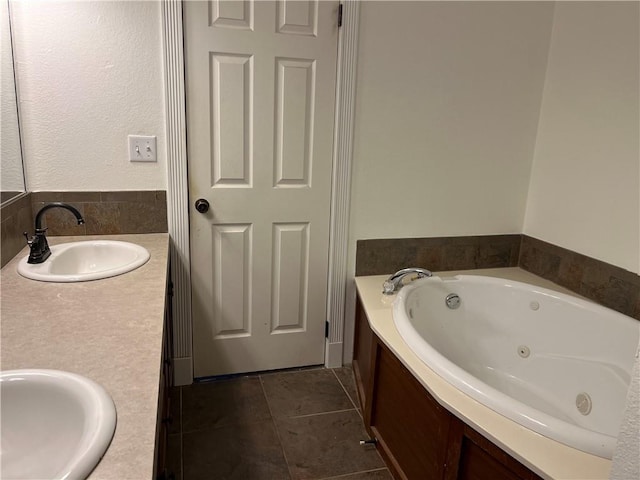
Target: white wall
[(448, 97), (585, 182), (90, 73), (11, 178)]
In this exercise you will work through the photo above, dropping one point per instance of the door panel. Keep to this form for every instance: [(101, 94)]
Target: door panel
[(290, 277), (232, 280), (260, 80), (232, 112)]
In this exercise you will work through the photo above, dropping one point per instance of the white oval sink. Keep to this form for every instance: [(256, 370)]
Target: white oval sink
[(55, 425), (87, 260)]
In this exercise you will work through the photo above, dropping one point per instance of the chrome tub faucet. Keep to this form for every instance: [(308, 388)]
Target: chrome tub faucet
[(395, 281)]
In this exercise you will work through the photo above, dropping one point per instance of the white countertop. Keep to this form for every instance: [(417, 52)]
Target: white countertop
[(546, 457), (108, 330)]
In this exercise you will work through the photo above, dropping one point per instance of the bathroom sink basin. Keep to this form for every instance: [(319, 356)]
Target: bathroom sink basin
[(87, 260), (54, 424)]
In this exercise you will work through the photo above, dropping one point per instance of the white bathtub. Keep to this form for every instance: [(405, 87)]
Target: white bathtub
[(528, 353)]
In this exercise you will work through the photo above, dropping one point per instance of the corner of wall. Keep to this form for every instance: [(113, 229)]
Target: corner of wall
[(534, 153)]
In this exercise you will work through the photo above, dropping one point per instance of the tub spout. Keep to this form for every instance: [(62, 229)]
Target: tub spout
[(395, 281)]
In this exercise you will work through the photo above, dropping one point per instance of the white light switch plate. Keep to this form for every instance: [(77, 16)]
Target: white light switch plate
[(142, 148)]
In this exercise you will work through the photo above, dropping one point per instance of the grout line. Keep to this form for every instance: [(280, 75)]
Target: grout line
[(288, 371), (181, 475), (345, 389), (346, 475), (180, 406), (275, 427), (319, 413)]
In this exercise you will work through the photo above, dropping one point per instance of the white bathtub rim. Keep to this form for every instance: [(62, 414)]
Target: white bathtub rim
[(583, 439)]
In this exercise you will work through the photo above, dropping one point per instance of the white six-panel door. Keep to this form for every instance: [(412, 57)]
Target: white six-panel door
[(260, 80)]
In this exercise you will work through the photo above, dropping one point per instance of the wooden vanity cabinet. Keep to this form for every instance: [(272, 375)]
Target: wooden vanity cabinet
[(418, 438), (165, 384)]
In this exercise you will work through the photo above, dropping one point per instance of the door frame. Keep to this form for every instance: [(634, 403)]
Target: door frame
[(178, 192)]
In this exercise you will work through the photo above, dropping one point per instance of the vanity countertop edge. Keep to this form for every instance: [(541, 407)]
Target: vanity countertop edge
[(546, 457), (108, 330)]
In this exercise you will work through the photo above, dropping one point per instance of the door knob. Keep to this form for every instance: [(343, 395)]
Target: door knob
[(202, 205)]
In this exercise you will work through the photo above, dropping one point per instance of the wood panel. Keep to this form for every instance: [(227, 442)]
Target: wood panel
[(413, 426), (362, 362), (480, 459)]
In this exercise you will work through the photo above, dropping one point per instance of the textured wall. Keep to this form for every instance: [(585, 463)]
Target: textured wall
[(90, 73), (585, 182)]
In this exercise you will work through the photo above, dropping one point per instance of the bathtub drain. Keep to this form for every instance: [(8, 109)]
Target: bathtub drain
[(452, 301), (583, 403)]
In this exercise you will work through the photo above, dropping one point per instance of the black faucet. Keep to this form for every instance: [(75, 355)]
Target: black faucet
[(38, 243)]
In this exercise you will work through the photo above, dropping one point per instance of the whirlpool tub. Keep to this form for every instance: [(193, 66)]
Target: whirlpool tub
[(553, 363)]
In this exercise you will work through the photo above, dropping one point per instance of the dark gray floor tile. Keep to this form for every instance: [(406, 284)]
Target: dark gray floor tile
[(235, 452), (321, 446), (383, 474), (174, 456), (304, 393), (237, 401), (345, 375), (175, 410)]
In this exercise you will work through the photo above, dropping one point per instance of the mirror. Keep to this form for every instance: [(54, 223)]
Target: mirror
[(11, 167)]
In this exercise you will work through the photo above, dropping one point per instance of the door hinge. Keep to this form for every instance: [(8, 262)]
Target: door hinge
[(340, 15), (326, 329)]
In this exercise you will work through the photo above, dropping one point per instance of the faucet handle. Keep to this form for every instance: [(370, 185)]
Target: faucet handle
[(388, 287), (29, 240)]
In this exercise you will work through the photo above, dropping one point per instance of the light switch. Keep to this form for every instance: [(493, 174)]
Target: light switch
[(142, 148)]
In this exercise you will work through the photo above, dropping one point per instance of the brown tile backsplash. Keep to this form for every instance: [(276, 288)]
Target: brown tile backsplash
[(105, 213), (8, 195), (601, 282), (380, 256), (16, 218)]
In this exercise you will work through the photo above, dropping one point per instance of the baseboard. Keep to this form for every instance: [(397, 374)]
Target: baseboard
[(182, 371), (333, 354)]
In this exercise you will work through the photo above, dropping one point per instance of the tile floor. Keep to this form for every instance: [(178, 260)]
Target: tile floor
[(288, 425)]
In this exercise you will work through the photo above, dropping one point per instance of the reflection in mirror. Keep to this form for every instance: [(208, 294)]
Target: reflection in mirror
[(11, 169)]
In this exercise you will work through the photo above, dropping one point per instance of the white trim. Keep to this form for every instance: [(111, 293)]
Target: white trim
[(341, 182), (182, 371), (178, 194), (177, 191), (333, 354)]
